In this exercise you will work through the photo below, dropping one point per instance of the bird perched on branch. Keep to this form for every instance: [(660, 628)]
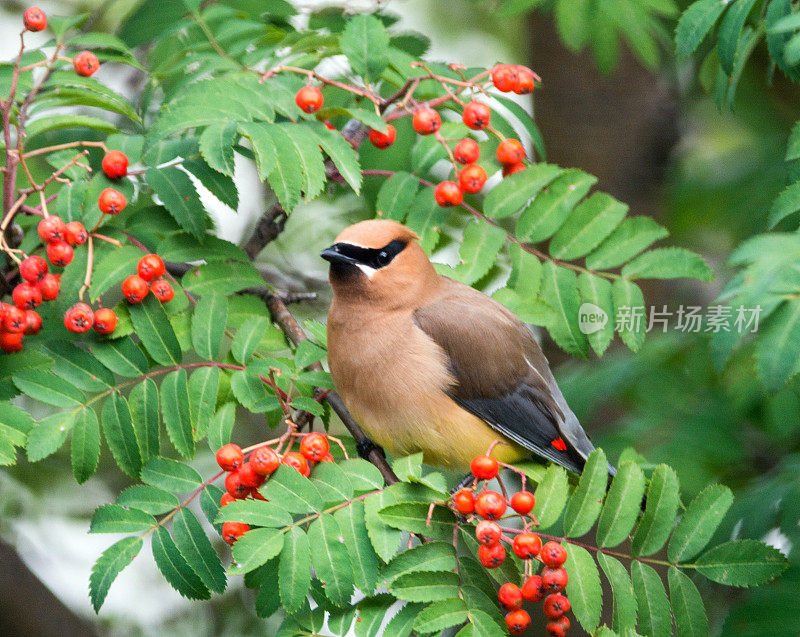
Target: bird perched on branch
[(425, 363)]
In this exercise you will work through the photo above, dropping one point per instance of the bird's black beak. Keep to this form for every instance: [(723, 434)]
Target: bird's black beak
[(335, 255)]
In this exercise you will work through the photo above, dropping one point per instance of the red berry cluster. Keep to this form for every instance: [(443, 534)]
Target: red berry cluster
[(549, 583), (148, 279), (247, 474)]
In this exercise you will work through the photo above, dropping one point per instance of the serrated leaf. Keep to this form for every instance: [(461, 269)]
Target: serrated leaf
[(668, 263), (595, 292), (622, 505), (695, 23), (48, 388), (480, 246), (663, 498), (526, 272), (179, 196), (583, 588), (385, 539), (255, 548), (121, 356), (176, 412), (294, 571), (154, 329), (440, 615), (203, 390), (402, 623), (208, 324), (515, 192), (342, 154), (115, 518), (687, 605), (426, 218), (221, 186), (785, 204), (256, 513), (57, 122), (143, 405), (730, 30), (221, 278), (221, 427), (295, 492), (363, 559), (285, 177), (196, 548), (560, 288), (413, 517), (110, 564), (629, 313), (741, 563), (120, 434), (48, 435), (624, 600), (78, 367), (171, 475), (263, 146), (776, 354), (587, 226), (247, 339), (330, 559), (363, 475), (332, 483), (308, 151), (431, 556), (216, 146), (629, 238), (149, 499), (586, 501), (699, 522), (365, 42), (551, 496), (175, 568), (651, 600), (371, 613), (396, 196), (421, 586), (85, 446)]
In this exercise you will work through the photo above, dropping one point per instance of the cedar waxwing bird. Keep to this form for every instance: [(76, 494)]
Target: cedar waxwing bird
[(425, 363)]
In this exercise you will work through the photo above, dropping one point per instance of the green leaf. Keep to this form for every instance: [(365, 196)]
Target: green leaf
[(385, 539), (149, 499), (663, 498), (396, 196), (252, 392), (741, 563), (363, 475), (371, 613), (68, 88), (208, 324), (180, 198), (216, 146), (478, 252), (332, 483), (598, 325), (622, 505), (175, 568), (629, 313), (402, 623), (154, 329), (85, 447), (730, 30), (308, 151), (585, 504), (551, 496), (210, 504), (552, 206), (58, 122), (143, 405), (587, 226), (203, 390), (482, 623), (330, 560), (624, 600), (219, 185), (196, 548), (630, 237), (699, 522), (426, 218), (222, 278), (363, 559), (256, 513), (285, 177), (342, 154), (412, 516), (365, 42), (431, 556), (295, 492), (526, 272), (78, 367), (560, 288), (263, 146), (785, 204), (114, 518), (694, 24), (121, 356), (584, 589), (176, 412), (572, 22), (776, 352), (440, 615), (651, 600), (120, 434), (294, 571), (423, 586), (48, 435), (668, 263), (111, 562), (687, 605), (515, 192), (247, 339), (255, 548), (776, 13), (14, 427), (221, 427), (49, 388), (171, 475)]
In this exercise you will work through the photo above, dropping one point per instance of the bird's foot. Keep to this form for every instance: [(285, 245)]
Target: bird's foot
[(366, 447)]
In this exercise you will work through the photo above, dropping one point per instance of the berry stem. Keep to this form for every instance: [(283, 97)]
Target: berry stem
[(87, 279), (313, 74)]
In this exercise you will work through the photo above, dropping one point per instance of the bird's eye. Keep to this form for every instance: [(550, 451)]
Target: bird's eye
[(383, 258)]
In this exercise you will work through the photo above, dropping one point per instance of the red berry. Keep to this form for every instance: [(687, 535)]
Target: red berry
[(472, 178), (510, 169), (484, 467), (555, 605), (383, 140), (60, 253), (510, 596), (249, 477), (75, 234), (265, 461), (33, 323), (426, 121), (532, 589), (11, 342), (464, 502), (234, 486), (554, 580), (105, 321), (33, 268), (230, 457), (111, 202), (13, 320), (523, 502), (86, 63), (27, 296), (51, 229), (327, 458), (314, 446), (518, 621), (526, 545), (467, 151), (447, 193), (505, 78), (232, 531), (297, 461), (162, 290), (115, 164), (490, 505), (488, 532), (526, 81), (49, 286), (150, 267), (34, 19), (510, 151), (492, 556), (309, 99), (226, 499), (476, 115), (79, 318), (553, 554), (134, 288), (559, 627)]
